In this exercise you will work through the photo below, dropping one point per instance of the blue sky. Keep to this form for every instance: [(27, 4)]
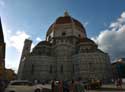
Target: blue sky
[(31, 19)]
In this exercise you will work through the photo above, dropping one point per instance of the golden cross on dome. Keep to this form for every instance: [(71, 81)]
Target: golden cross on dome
[(66, 13)]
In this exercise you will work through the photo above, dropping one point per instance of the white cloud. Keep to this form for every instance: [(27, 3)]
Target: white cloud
[(112, 40), (114, 25), (38, 39), (85, 24), (9, 66), (123, 15), (13, 40), (17, 40), (14, 43)]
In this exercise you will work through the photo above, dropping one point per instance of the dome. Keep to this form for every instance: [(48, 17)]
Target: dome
[(42, 48), (66, 19)]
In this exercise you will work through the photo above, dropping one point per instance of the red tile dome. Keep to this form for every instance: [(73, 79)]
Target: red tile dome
[(65, 20)]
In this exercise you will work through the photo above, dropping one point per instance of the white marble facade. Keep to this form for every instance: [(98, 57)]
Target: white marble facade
[(67, 53)]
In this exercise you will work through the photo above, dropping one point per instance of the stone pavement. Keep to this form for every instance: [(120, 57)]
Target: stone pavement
[(108, 88)]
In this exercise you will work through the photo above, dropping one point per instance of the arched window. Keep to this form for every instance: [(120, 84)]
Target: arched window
[(63, 33), (50, 69), (73, 68), (49, 38), (79, 36), (32, 68), (61, 69)]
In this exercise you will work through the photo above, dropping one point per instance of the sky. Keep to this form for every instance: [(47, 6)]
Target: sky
[(104, 21)]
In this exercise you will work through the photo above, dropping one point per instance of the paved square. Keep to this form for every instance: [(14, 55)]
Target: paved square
[(109, 88)]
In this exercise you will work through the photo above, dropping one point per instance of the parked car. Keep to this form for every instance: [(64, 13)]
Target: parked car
[(22, 86)]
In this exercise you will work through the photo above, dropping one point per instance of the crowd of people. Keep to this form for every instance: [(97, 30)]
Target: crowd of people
[(64, 86), (118, 83), (67, 86)]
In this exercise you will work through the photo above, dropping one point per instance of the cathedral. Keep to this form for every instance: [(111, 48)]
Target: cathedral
[(67, 53), (2, 53)]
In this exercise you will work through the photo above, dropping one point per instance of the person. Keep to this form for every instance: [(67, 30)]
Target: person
[(2, 86), (72, 86), (119, 83), (36, 81), (65, 86), (79, 86), (60, 86), (53, 86), (56, 88)]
